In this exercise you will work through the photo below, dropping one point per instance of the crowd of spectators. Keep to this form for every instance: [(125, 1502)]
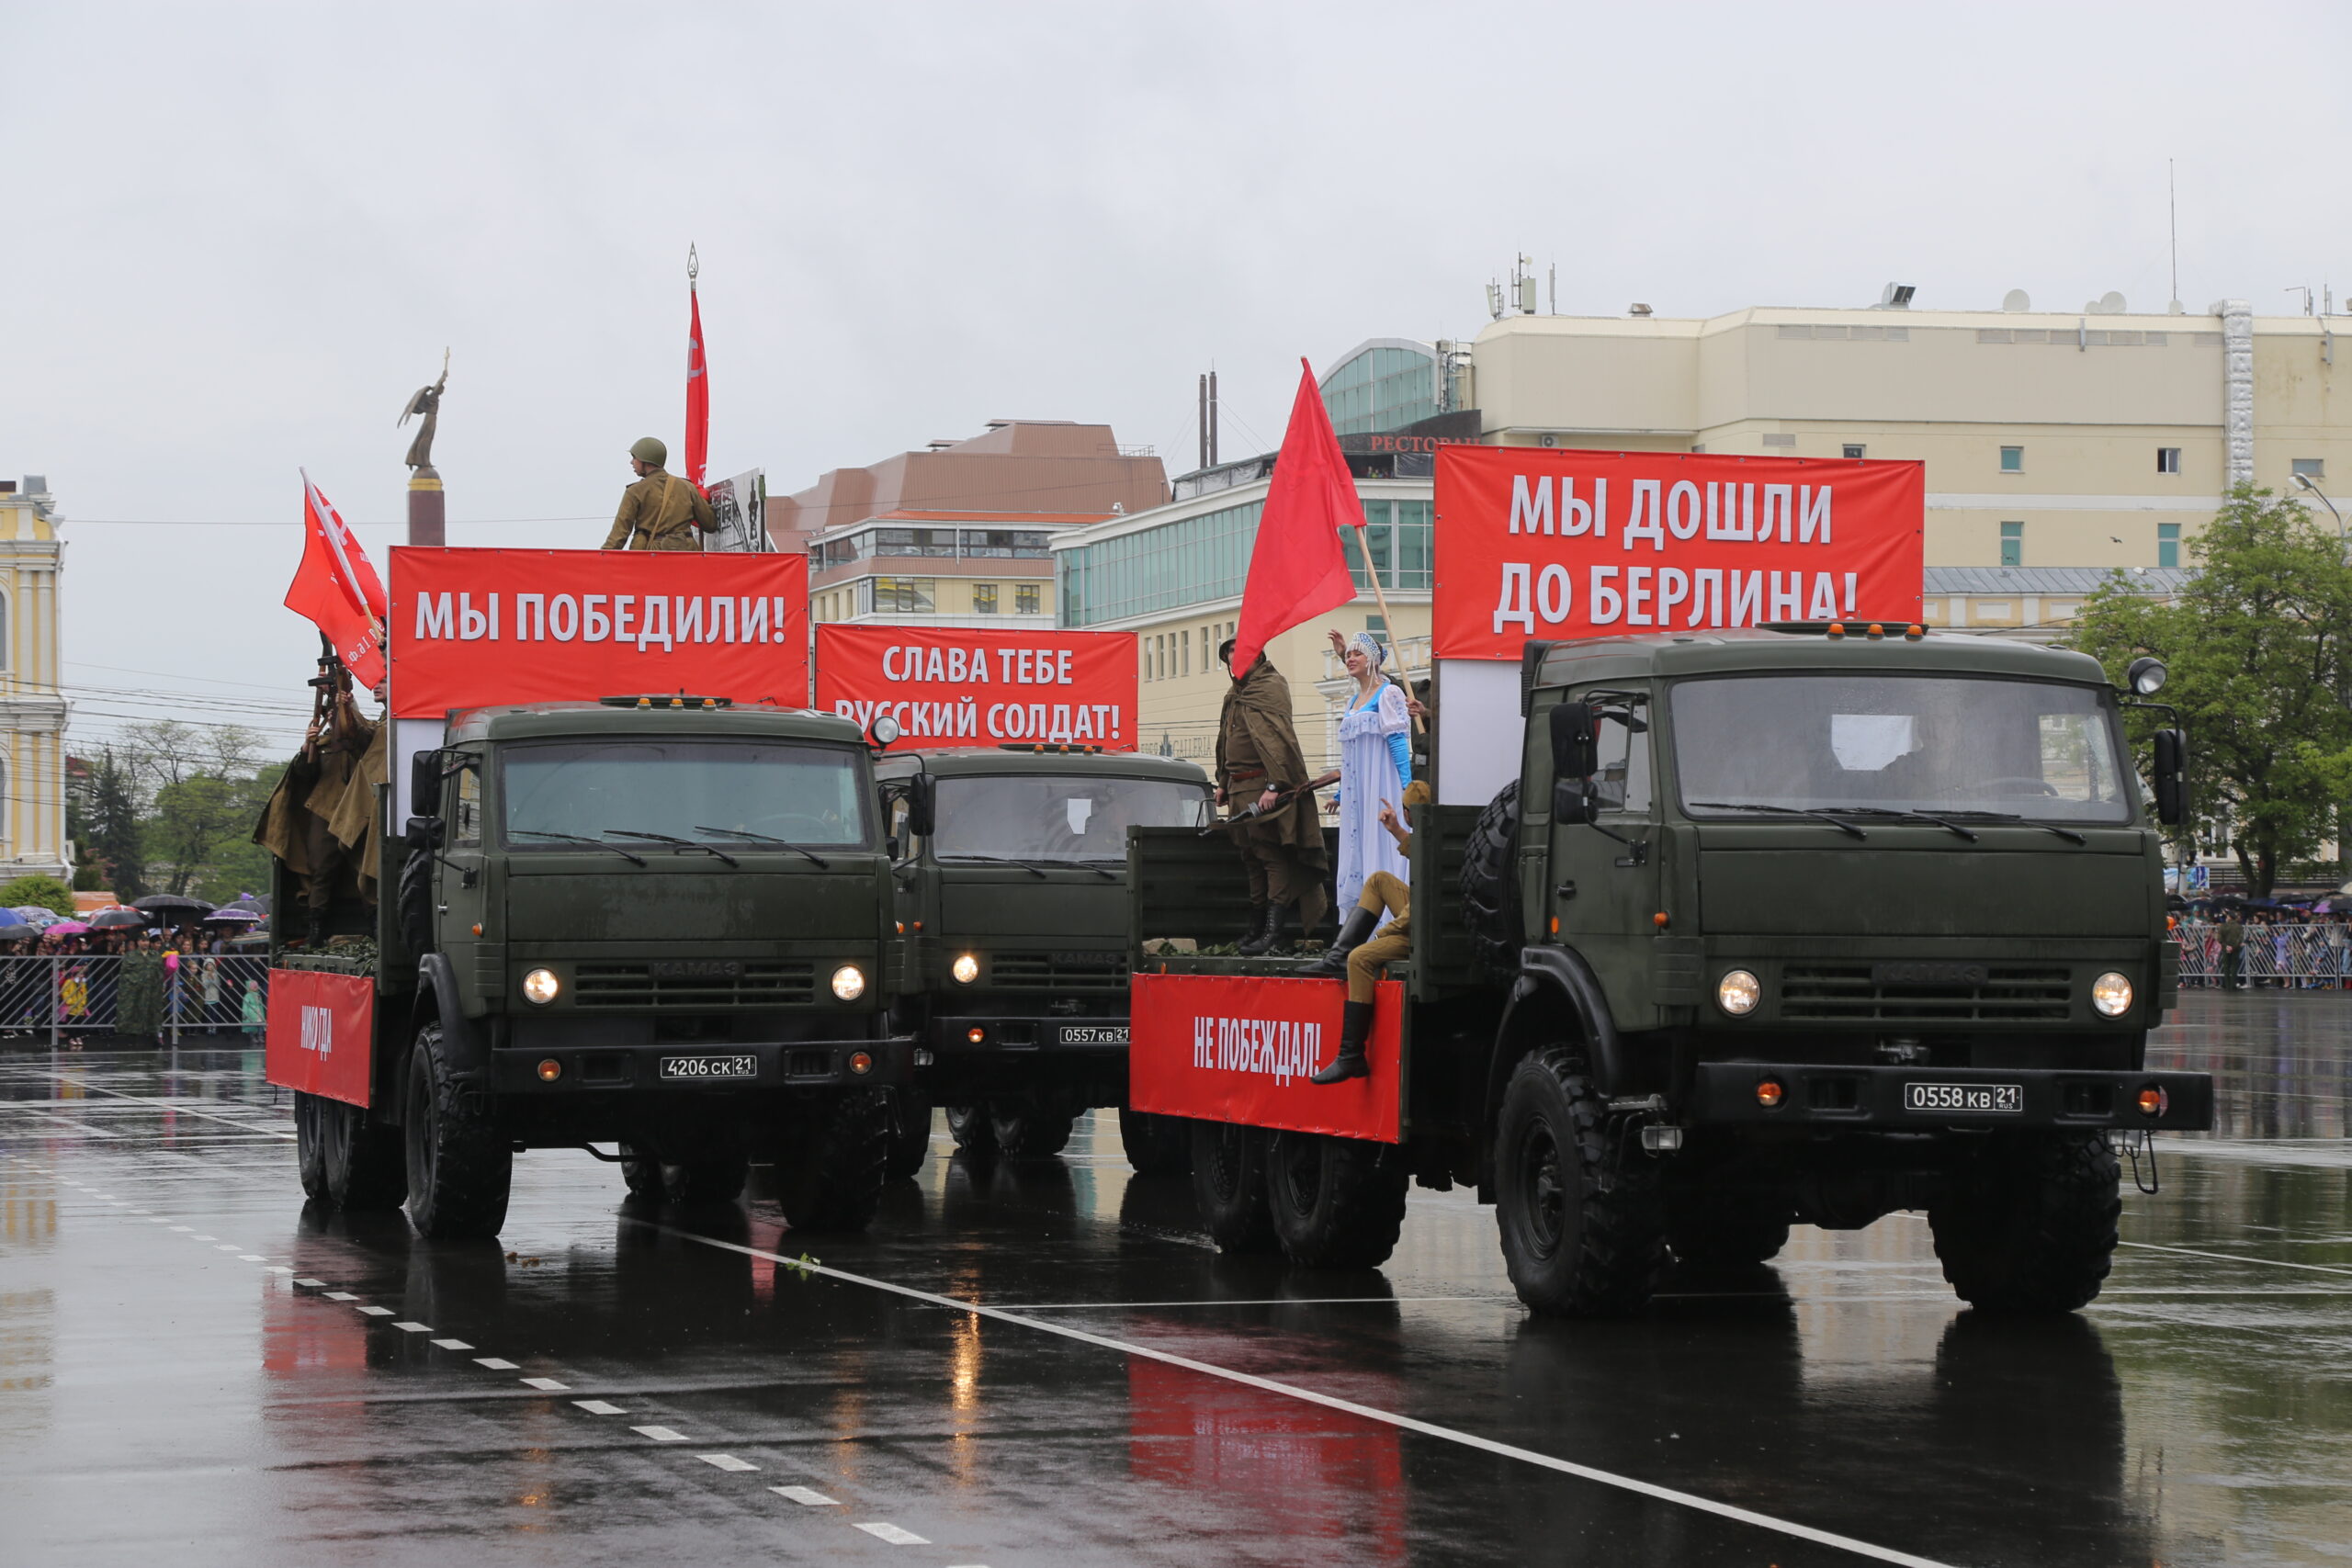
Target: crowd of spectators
[(2237, 945)]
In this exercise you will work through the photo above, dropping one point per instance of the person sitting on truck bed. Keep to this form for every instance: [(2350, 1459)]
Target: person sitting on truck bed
[(1362, 955), (661, 511)]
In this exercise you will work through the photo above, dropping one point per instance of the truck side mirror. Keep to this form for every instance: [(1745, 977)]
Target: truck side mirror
[(2172, 776), (920, 802), (1575, 800), (424, 784), (1576, 752)]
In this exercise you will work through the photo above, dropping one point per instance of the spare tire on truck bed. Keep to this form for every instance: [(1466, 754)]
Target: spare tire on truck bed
[(1490, 885)]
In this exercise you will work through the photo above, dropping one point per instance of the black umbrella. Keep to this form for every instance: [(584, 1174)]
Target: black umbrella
[(116, 918), (160, 902)]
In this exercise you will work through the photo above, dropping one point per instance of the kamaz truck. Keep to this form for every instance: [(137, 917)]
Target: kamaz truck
[(1807, 924), (1009, 964), (657, 922)]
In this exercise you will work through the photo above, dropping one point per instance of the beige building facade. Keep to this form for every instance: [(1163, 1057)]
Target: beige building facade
[(33, 710)]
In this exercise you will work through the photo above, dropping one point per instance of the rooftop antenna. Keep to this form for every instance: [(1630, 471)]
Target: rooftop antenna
[(2172, 207), (1556, 288), (1522, 278)]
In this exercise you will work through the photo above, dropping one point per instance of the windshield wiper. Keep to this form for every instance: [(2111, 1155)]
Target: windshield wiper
[(2066, 834), (682, 843), (1894, 816), (1030, 866), (1818, 815), (629, 855), (821, 863)]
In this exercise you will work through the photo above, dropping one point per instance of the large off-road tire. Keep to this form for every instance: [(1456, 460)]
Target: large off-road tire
[(460, 1168), (1583, 1218), (310, 1144), (1031, 1134), (1229, 1187), (1335, 1202), (973, 1130), (643, 1174), (706, 1182), (1725, 1230), (361, 1167), (910, 1131), (415, 907), (1156, 1146), (831, 1173), (1490, 881), (2031, 1227)]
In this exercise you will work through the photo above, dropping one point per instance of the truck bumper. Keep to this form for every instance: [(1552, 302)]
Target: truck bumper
[(740, 1066), (1051, 1036), (1917, 1099)]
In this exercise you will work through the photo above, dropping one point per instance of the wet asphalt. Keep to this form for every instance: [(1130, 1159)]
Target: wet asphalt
[(1049, 1365)]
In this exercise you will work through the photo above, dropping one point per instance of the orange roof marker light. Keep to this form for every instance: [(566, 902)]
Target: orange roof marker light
[(1837, 629), (1914, 633)]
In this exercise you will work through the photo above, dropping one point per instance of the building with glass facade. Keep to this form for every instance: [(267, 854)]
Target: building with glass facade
[(1386, 383)]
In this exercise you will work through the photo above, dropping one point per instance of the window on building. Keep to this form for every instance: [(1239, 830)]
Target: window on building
[(1854, 449), (2168, 459), (906, 595), (984, 598), (1029, 599), (1184, 651), (2310, 468), (2012, 462), (2012, 543), (2167, 544)]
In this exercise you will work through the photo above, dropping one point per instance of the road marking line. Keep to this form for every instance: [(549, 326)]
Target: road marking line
[(659, 1434), (167, 1105), (807, 1497), (726, 1462), (1267, 1300), (599, 1407), (251, 1258), (376, 1312), (341, 1296), (2236, 1257), (496, 1363), (277, 1269), (547, 1385), (453, 1345), (184, 1227), (312, 1284), (228, 1247), (204, 1238), (1330, 1401), (894, 1535), (414, 1327)]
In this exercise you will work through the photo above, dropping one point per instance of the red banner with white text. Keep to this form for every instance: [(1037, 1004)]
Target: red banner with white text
[(475, 627), (982, 688), (1569, 544), (1235, 1048), (320, 1034)]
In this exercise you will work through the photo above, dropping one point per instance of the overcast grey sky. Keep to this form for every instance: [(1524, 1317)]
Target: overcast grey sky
[(236, 237)]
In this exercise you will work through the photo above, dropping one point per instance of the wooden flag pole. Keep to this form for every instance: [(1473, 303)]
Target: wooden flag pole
[(1379, 596)]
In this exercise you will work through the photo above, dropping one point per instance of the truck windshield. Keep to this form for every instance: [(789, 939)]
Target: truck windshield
[(1955, 745), (1045, 816), (729, 793)]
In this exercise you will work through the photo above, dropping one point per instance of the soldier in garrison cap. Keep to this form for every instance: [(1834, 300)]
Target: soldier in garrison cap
[(659, 512), (1262, 774)]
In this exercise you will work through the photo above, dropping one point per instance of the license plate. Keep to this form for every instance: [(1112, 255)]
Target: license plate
[(1987, 1098), (710, 1066), (1094, 1034)]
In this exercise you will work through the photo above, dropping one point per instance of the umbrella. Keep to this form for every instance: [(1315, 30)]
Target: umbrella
[(159, 903), (35, 914), (230, 916), (114, 919), (65, 928)]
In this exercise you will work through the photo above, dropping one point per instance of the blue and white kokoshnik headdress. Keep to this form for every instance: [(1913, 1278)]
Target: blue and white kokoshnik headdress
[(1372, 649)]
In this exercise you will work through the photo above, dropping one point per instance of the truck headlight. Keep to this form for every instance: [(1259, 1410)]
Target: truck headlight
[(965, 968), (1738, 992), (849, 982), (2111, 994), (541, 986)]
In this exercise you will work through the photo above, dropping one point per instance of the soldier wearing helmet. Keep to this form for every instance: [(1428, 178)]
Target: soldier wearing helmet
[(661, 511)]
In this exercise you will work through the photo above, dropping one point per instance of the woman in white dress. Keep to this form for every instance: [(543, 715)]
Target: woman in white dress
[(1375, 764)]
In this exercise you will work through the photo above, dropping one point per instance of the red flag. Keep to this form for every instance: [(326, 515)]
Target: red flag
[(1298, 568), (337, 590), (697, 394)]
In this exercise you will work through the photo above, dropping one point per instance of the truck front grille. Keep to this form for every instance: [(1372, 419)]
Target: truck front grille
[(1850, 994), (649, 985), (1058, 971)]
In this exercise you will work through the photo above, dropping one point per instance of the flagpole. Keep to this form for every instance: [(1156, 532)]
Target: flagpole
[(1380, 595)]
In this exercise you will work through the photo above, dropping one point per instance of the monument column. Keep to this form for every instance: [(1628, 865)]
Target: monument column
[(429, 511)]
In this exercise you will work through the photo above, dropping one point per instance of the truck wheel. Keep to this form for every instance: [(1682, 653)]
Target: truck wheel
[(360, 1162), (970, 1127), (705, 1182), (310, 1148), (2032, 1229), (1156, 1146), (910, 1131), (459, 1166), (1229, 1187), (643, 1174), (1725, 1230), (1490, 884), (1583, 1219), (831, 1175), (1030, 1134), (1335, 1202)]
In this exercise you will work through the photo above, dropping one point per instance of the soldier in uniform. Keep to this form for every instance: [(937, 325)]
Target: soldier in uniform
[(1259, 765), (659, 512)]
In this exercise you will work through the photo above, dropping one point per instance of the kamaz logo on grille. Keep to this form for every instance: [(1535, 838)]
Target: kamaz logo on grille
[(318, 1030), (697, 969), (1087, 959), (1928, 973)]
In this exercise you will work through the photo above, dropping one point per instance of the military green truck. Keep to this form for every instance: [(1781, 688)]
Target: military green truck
[(1009, 890), (655, 923), (1802, 924)]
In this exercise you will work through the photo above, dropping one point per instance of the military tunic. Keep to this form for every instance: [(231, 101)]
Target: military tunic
[(660, 512), (1257, 749)]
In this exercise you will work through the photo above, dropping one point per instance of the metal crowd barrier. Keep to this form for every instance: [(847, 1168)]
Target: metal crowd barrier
[(69, 996), (2313, 956)]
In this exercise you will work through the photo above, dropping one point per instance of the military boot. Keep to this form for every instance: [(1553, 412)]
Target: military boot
[(1334, 962), (1355, 1023), (1265, 924)]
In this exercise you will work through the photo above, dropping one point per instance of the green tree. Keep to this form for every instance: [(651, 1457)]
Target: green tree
[(2257, 650), (114, 827), (46, 891)]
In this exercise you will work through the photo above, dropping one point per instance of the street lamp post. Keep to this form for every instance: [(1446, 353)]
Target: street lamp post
[(2305, 480)]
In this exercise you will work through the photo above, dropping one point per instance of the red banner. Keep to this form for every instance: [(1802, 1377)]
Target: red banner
[(471, 628), (320, 1034), (982, 688), (1537, 544), (1235, 1048)]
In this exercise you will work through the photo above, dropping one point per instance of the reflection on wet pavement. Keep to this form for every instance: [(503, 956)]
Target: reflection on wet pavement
[(298, 1388)]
